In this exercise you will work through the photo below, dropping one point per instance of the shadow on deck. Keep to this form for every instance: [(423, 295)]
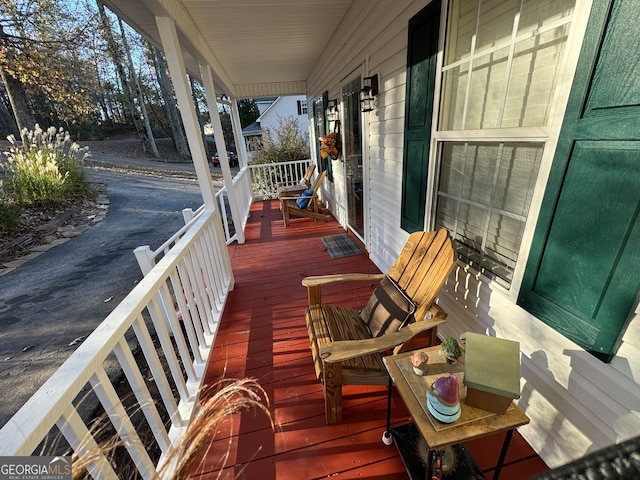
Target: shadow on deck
[(263, 336)]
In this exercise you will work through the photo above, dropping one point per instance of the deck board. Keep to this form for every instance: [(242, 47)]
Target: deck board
[(263, 335)]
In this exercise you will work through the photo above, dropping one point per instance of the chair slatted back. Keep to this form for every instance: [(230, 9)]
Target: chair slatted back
[(316, 186), (423, 267), (309, 173)]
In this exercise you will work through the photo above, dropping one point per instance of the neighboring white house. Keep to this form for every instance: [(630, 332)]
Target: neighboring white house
[(272, 111)]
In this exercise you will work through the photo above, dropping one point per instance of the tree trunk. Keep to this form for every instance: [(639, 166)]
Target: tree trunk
[(136, 82), (118, 61), (8, 122), (173, 117), (22, 112), (101, 100), (197, 107)]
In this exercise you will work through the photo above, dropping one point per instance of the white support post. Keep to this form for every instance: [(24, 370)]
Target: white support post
[(171, 47), (187, 215), (214, 114), (145, 258), (241, 148)]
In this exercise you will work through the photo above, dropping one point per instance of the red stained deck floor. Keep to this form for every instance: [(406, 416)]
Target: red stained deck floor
[(263, 335)]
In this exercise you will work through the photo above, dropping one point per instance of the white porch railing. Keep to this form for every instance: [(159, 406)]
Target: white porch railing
[(192, 277), (265, 177), (182, 297), (255, 182)]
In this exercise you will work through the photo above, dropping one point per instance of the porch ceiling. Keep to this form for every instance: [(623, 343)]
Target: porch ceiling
[(255, 47)]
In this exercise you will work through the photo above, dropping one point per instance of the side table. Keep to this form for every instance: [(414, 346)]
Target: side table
[(473, 423)]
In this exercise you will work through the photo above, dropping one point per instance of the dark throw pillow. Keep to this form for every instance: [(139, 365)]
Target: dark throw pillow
[(388, 309), (303, 201)]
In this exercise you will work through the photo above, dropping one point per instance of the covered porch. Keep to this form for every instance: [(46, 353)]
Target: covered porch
[(249, 324), (263, 335), (242, 304)]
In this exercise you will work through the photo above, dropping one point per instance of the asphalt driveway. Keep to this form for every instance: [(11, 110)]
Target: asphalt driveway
[(51, 303)]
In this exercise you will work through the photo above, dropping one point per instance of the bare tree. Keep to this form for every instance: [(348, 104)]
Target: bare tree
[(171, 111), (196, 103), (136, 82), (24, 117), (40, 64), (118, 60)]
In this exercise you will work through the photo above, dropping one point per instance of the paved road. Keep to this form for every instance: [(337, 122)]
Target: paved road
[(60, 297)]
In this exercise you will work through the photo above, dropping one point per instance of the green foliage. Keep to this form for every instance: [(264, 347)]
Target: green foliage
[(450, 347), (43, 46), (46, 168), (286, 144), (248, 111), (9, 214)]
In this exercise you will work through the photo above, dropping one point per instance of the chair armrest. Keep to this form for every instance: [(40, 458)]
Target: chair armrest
[(293, 198), (342, 350), (317, 281), (437, 312)]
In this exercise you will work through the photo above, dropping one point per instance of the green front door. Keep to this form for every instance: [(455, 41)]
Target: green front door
[(421, 75), (583, 274)]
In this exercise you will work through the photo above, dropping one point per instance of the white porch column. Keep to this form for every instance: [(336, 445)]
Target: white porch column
[(214, 114), (241, 148), (171, 47)]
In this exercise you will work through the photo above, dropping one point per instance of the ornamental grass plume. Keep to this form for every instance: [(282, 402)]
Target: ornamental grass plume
[(234, 396), (182, 461), (45, 168)]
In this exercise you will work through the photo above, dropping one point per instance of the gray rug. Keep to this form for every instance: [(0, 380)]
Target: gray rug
[(340, 246)]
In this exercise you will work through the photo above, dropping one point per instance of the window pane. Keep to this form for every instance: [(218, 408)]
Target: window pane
[(495, 23), (501, 62), (516, 179), (533, 78), (537, 14), (488, 83), (483, 200), (455, 86), (462, 26)]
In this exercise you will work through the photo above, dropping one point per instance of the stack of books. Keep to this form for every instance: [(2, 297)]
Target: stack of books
[(492, 372)]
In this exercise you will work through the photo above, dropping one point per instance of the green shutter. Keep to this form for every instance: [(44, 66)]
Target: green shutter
[(583, 273), (421, 70)]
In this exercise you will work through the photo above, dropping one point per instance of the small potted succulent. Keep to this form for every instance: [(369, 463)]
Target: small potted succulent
[(419, 362), (450, 349)]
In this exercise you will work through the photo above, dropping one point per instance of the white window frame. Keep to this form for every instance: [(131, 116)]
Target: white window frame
[(547, 134)]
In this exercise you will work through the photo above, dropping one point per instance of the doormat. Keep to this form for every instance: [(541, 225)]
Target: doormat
[(340, 246)]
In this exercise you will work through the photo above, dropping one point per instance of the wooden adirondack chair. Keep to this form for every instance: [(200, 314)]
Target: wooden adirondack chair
[(347, 351), (291, 189), (290, 207)]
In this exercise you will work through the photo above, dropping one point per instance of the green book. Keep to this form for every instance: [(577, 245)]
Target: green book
[(492, 365)]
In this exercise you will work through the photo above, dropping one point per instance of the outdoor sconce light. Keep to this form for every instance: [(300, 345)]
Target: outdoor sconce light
[(332, 110), (368, 93)]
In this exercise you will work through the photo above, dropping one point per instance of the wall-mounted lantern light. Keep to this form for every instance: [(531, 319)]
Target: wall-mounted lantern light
[(332, 110), (368, 93)]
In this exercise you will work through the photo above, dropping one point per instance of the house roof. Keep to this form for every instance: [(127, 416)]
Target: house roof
[(252, 129), (255, 49)]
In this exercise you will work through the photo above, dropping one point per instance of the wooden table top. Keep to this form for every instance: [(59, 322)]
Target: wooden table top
[(473, 422)]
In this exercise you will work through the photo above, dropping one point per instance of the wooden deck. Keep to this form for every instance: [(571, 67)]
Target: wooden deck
[(263, 336)]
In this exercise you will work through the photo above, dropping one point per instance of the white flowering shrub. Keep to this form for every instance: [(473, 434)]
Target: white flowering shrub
[(46, 168)]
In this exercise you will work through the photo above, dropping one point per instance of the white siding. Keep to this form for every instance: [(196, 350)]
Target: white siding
[(575, 402), (282, 108)]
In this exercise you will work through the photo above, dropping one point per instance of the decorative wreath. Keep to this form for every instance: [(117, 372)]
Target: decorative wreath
[(330, 145)]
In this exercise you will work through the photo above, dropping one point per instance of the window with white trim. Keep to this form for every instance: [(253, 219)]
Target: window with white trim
[(500, 71), (302, 107), (484, 196)]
